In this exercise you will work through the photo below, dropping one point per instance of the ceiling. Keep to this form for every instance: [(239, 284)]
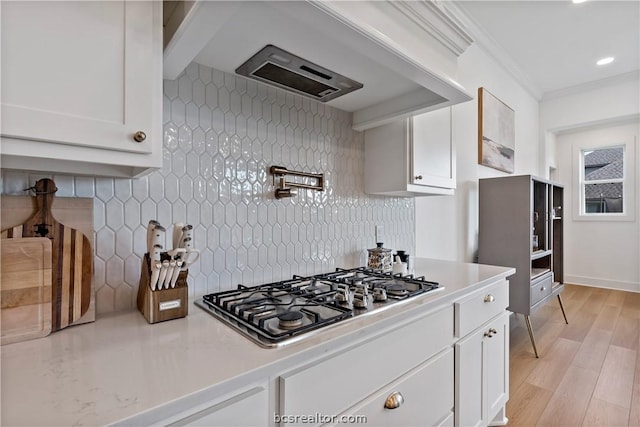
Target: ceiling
[(555, 44)]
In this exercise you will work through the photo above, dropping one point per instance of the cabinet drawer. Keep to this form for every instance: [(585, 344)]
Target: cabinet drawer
[(541, 288), (335, 384), (246, 409), (427, 394), (477, 308)]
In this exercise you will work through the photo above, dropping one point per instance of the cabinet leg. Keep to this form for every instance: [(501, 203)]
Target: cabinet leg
[(527, 320), (562, 308)]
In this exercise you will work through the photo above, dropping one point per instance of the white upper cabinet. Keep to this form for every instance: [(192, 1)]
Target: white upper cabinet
[(433, 161), (412, 157), (82, 86)]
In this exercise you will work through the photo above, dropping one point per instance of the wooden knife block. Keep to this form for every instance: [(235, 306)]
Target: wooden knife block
[(162, 304)]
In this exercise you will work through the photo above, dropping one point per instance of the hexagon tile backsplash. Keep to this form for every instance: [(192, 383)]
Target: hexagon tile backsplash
[(221, 134)]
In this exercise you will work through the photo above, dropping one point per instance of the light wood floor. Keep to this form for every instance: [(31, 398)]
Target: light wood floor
[(588, 373)]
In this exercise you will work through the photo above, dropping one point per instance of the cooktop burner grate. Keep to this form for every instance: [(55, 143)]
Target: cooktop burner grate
[(282, 312)]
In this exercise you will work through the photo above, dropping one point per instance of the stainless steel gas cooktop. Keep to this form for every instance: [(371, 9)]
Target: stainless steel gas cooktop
[(280, 313)]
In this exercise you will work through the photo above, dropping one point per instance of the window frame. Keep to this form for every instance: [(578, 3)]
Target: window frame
[(583, 181), (628, 182)]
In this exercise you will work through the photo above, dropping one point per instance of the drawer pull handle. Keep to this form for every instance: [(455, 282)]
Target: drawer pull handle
[(394, 401), (418, 177), (139, 136), (490, 333), (489, 298)]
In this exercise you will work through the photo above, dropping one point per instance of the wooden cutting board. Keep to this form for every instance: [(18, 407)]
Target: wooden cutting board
[(76, 212), (72, 258), (25, 289)]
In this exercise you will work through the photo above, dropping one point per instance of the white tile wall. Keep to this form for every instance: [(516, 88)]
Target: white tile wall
[(221, 134)]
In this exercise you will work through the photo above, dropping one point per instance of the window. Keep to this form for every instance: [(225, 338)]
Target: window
[(602, 180)]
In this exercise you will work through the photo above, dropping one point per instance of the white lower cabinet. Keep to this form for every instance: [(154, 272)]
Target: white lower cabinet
[(423, 396), (482, 374), (446, 367), (410, 356), (249, 408)]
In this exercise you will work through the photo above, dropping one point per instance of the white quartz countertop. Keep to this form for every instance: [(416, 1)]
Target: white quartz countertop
[(119, 366)]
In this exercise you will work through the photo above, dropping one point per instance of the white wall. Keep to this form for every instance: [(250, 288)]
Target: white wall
[(607, 103), (598, 253), (447, 226), (221, 134)]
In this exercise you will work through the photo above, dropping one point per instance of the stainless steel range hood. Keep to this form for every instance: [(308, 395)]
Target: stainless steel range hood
[(277, 67), (349, 38)]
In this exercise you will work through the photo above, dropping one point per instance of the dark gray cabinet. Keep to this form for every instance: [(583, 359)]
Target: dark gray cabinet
[(521, 226)]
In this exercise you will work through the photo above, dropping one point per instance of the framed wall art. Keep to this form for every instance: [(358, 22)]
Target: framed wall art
[(496, 132)]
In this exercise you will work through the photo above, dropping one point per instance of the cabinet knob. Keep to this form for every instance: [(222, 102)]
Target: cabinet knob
[(139, 136), (489, 298), (490, 333), (418, 177), (542, 289), (395, 400)]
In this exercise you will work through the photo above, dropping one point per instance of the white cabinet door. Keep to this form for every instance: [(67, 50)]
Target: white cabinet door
[(497, 366), (84, 75), (427, 398), (433, 155), (482, 373), (410, 158), (469, 406)]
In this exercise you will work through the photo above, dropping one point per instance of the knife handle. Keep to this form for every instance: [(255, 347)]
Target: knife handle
[(176, 273), (177, 234), (154, 254), (152, 224), (157, 236), (186, 240), (163, 273), (169, 276), (155, 273)]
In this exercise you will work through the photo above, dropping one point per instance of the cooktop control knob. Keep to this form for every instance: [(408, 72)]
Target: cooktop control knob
[(343, 295), (379, 294), (360, 300), (361, 288), (361, 296)]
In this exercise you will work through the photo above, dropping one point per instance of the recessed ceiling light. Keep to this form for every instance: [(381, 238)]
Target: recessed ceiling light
[(578, 1), (605, 61)]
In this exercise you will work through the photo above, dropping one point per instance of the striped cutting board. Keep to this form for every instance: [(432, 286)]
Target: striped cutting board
[(72, 258)]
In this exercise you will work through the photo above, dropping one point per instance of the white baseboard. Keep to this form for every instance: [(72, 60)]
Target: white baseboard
[(602, 283)]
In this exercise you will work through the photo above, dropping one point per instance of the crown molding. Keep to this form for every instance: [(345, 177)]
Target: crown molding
[(491, 47), (596, 84), (434, 20), (596, 124)]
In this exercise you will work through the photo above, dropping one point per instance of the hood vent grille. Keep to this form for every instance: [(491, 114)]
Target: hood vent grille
[(280, 68)]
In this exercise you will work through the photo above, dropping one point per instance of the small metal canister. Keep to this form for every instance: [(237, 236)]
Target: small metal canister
[(380, 258)]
